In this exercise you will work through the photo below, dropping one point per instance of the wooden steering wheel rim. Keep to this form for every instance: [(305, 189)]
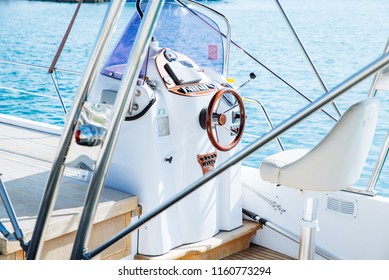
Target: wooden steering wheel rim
[(208, 120)]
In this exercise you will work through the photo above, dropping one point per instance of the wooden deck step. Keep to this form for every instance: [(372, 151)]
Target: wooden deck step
[(25, 161), (256, 252), (220, 246)]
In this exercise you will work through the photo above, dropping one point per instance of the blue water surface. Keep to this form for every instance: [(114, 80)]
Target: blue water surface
[(340, 36)]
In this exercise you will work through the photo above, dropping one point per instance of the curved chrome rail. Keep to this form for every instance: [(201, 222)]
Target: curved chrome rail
[(267, 117)]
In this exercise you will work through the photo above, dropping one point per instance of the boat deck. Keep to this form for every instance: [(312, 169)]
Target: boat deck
[(232, 245), (256, 252), (26, 157), (223, 244)]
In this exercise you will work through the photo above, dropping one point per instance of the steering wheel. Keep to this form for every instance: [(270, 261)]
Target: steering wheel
[(215, 120)]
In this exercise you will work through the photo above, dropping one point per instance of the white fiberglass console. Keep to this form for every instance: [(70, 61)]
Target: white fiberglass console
[(182, 123)]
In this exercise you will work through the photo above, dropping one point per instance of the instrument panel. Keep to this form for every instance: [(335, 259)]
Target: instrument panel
[(181, 75)]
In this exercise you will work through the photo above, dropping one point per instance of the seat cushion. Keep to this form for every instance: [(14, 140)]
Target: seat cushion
[(270, 168)]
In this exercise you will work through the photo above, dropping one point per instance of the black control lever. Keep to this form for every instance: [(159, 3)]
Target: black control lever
[(252, 77)]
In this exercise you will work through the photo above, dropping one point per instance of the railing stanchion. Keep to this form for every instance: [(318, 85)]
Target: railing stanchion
[(380, 164)]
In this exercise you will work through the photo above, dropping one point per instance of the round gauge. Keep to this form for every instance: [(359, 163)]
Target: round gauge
[(170, 55)]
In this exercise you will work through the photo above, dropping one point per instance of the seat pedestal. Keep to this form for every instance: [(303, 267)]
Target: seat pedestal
[(309, 226)]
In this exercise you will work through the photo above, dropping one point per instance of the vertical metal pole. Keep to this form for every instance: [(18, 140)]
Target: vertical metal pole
[(308, 228), (384, 150), (10, 211), (65, 111), (306, 54), (122, 102), (373, 90), (55, 176), (380, 163)]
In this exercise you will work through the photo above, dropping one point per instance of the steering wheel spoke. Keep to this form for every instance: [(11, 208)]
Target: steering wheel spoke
[(216, 134)]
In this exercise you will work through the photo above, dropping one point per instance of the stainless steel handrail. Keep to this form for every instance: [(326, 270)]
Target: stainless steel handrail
[(55, 176), (373, 90), (54, 80), (267, 117), (241, 155), (123, 99), (379, 165), (18, 234), (370, 190)]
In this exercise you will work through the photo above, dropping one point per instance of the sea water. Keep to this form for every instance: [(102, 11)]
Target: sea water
[(341, 37)]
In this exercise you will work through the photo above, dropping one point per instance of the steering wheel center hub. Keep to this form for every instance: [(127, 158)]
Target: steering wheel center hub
[(222, 119)]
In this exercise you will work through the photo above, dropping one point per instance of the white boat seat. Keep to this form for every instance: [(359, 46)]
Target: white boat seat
[(333, 164), (336, 162)]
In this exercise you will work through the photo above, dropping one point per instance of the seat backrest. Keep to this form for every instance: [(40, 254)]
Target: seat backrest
[(338, 160)]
